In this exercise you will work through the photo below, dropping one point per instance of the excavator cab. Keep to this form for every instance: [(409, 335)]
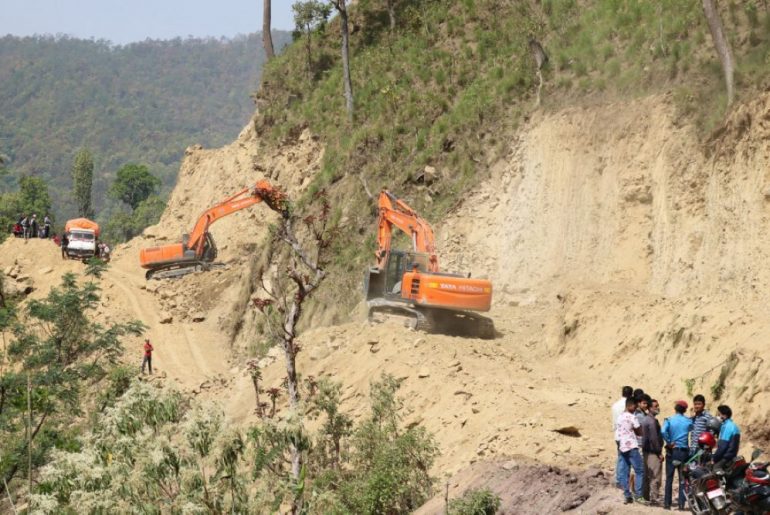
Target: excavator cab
[(387, 283)]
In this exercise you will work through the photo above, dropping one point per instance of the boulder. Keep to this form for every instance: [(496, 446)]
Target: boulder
[(510, 465), (17, 290), (165, 318), (198, 317), (429, 175)]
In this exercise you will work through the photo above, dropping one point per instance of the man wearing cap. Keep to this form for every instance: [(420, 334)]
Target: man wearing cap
[(147, 355), (676, 434)]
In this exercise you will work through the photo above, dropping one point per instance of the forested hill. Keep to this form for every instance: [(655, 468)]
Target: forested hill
[(143, 102)]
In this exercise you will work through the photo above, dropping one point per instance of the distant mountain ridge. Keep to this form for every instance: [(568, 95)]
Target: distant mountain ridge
[(142, 102)]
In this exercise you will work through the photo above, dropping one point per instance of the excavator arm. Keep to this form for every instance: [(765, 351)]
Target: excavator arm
[(396, 212), (262, 191), (192, 252)]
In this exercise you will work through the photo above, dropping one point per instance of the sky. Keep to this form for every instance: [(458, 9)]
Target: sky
[(126, 21)]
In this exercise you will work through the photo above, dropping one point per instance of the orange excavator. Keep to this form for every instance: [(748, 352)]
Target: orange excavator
[(197, 251), (410, 284)]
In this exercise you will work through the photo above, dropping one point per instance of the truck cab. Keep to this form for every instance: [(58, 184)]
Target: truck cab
[(82, 243)]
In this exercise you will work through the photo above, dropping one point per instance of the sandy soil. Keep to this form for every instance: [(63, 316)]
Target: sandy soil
[(621, 250)]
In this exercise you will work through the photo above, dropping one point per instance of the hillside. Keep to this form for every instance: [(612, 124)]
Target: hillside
[(636, 291), (621, 223), (143, 102)]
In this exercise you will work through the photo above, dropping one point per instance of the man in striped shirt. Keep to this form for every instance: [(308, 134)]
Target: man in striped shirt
[(699, 419)]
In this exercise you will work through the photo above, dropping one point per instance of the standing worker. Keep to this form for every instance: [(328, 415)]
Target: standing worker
[(729, 437), (627, 432), (25, 227), (652, 447), (64, 242), (33, 227), (47, 227), (676, 434), (617, 409), (700, 418), (147, 355)]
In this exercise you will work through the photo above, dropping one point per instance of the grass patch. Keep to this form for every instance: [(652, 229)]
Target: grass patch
[(453, 72)]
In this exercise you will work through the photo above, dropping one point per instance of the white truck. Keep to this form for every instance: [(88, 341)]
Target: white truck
[(82, 238)]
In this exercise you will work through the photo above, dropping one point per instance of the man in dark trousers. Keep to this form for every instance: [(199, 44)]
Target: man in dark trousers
[(147, 355), (676, 434), (64, 242), (33, 227), (652, 447), (47, 227)]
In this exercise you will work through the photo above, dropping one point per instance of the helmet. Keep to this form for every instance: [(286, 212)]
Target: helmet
[(714, 425), (706, 439)]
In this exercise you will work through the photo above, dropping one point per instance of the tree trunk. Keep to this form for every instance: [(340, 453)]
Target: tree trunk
[(346, 57), (721, 45), (290, 351), (309, 52), (267, 36), (392, 14)]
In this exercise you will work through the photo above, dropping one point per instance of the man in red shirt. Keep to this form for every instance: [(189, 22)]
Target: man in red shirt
[(147, 355)]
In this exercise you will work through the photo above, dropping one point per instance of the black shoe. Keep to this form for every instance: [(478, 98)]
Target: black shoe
[(628, 500)]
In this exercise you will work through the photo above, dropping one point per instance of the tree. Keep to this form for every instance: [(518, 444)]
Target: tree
[(392, 13), (721, 45), (134, 184), (59, 350), (305, 271), (343, 12), (82, 182), (33, 196), (123, 226), (308, 15), (267, 37)]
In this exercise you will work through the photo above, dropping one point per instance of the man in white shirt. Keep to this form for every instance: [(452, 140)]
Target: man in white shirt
[(617, 409), (627, 435)]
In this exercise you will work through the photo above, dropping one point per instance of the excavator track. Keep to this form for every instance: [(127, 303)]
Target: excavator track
[(176, 270), (432, 320)]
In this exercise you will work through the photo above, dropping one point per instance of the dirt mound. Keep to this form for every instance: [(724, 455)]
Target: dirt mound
[(528, 488)]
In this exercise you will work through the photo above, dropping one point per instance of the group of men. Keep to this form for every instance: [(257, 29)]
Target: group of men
[(28, 227), (640, 441)]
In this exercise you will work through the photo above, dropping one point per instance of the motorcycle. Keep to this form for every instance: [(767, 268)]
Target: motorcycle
[(747, 485), (702, 486)]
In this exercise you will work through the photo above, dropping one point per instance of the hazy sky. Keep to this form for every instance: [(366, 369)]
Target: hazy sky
[(124, 21)]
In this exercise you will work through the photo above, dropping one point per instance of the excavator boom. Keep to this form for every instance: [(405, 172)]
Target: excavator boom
[(396, 212), (198, 249)]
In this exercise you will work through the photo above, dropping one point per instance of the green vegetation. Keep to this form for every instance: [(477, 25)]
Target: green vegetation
[(153, 447), (82, 182), (55, 356), (134, 184), (31, 198), (144, 102), (718, 388), (135, 188), (475, 502), (448, 86)]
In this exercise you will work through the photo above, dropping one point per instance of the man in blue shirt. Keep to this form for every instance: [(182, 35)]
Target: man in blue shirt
[(729, 436), (676, 434)]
